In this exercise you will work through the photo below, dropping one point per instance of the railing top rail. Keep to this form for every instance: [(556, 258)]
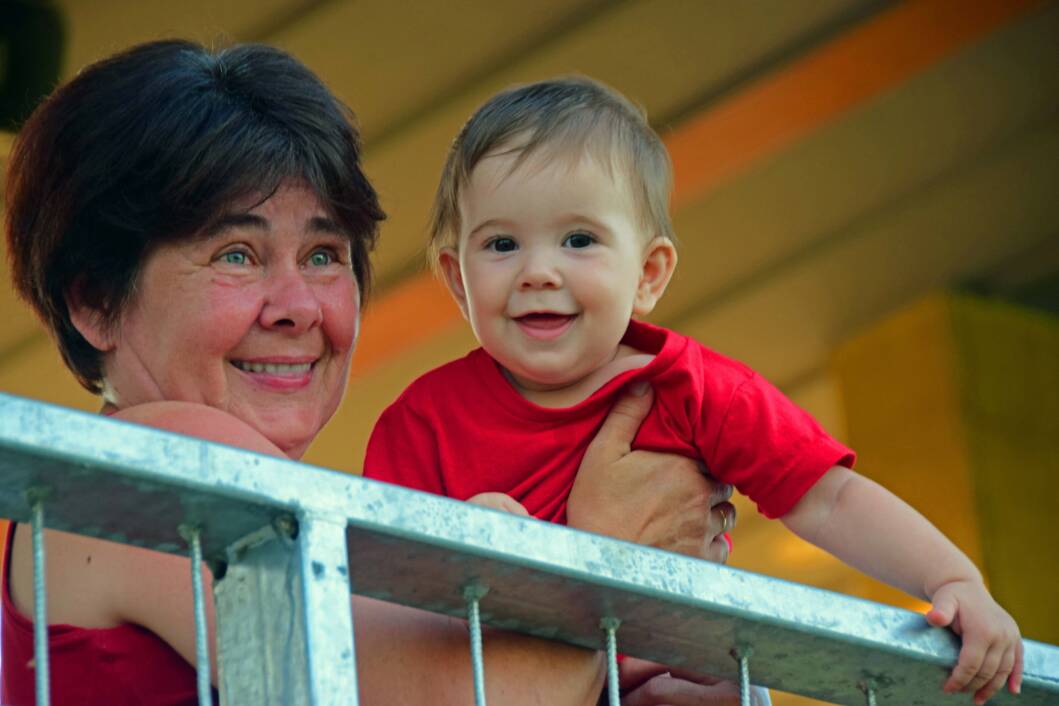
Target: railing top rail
[(104, 478)]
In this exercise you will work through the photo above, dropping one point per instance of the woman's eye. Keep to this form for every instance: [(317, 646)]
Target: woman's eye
[(235, 257), (578, 240), (321, 258), (502, 244)]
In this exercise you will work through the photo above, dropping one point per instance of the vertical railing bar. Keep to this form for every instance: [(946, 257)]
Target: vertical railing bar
[(742, 656), (40, 604), (473, 594), (610, 625), (193, 536)]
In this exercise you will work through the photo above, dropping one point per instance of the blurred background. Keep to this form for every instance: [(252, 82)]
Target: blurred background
[(867, 201)]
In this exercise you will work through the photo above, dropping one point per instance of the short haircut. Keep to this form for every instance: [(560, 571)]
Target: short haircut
[(149, 147), (569, 116)]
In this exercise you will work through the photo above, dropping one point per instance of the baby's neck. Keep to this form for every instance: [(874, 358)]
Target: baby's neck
[(571, 393)]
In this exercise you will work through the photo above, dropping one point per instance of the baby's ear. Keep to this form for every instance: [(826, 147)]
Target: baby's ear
[(660, 259), (449, 263), (88, 320)]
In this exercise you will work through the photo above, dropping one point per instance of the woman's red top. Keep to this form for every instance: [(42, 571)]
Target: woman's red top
[(115, 666)]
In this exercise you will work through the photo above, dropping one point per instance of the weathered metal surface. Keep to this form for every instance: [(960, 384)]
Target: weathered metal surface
[(135, 485), (555, 583), (284, 623)]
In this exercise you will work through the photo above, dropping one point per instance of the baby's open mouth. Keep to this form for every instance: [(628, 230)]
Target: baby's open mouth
[(545, 325), (544, 320)]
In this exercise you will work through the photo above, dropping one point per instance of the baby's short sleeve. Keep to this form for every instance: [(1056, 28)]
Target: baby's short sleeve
[(770, 449)]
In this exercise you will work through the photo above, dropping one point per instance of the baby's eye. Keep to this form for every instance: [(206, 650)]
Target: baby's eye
[(502, 244), (235, 257), (578, 240)]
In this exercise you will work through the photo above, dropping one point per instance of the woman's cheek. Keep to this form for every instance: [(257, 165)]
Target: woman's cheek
[(341, 319)]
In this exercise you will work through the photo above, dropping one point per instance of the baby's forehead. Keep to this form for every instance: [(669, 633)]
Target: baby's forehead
[(553, 163)]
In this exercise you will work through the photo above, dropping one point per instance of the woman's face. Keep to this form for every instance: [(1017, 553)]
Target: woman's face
[(258, 317)]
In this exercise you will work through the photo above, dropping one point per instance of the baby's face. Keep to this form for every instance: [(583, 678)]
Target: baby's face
[(550, 258)]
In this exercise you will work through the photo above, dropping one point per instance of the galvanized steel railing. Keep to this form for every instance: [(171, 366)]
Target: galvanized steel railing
[(288, 542)]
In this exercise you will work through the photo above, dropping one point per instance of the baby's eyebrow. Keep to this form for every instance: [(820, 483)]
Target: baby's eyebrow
[(487, 224)]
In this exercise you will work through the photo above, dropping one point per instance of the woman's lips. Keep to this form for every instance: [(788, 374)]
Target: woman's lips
[(543, 326), (277, 375)]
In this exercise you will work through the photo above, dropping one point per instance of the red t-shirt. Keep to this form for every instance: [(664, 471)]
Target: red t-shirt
[(125, 665), (462, 429)]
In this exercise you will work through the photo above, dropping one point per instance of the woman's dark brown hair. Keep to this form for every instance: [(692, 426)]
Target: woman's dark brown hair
[(147, 147)]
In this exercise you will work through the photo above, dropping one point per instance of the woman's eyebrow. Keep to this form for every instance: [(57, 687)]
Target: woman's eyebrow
[(323, 224), (316, 224)]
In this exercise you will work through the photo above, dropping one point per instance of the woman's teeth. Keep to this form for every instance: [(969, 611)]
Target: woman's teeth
[(273, 368)]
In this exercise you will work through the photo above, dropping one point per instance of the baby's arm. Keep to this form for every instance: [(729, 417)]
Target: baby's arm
[(870, 528), (499, 501)]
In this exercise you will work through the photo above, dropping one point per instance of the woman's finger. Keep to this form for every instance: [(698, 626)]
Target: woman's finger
[(720, 492), (717, 551), (665, 690), (725, 514), (614, 438)]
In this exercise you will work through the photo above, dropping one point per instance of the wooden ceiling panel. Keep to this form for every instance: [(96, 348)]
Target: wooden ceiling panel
[(664, 54), (101, 27), (787, 324), (392, 62), (930, 129)]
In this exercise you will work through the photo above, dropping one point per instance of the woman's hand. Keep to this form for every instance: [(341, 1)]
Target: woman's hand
[(661, 500), (655, 684), (691, 690)]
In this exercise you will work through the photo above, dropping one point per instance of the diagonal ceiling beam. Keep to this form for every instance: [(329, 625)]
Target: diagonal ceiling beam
[(761, 119)]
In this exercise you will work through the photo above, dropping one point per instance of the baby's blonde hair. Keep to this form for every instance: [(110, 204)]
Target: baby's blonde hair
[(571, 117)]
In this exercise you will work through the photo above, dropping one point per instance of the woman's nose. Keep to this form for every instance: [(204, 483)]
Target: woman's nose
[(291, 304)]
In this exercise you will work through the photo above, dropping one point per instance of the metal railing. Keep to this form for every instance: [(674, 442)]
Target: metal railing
[(288, 542)]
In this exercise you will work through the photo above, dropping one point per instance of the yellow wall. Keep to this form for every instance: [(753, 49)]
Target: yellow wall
[(951, 404)]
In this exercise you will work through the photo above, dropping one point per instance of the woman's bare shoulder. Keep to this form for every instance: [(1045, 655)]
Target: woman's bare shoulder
[(200, 421)]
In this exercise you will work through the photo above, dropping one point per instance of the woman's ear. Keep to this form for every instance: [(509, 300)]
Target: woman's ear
[(449, 262), (660, 259), (88, 320)]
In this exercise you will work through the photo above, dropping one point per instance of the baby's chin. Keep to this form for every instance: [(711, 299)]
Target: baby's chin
[(543, 383), (541, 378)]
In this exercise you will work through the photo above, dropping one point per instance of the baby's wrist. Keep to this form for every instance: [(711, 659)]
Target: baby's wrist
[(971, 580)]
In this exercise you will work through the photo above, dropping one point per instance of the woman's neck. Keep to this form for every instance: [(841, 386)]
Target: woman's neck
[(576, 391)]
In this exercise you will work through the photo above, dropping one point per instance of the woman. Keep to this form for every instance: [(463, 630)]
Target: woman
[(194, 229)]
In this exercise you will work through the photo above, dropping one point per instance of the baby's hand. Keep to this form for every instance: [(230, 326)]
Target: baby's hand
[(499, 501), (992, 649)]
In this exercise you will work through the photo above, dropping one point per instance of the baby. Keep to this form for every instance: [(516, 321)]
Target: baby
[(551, 230)]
